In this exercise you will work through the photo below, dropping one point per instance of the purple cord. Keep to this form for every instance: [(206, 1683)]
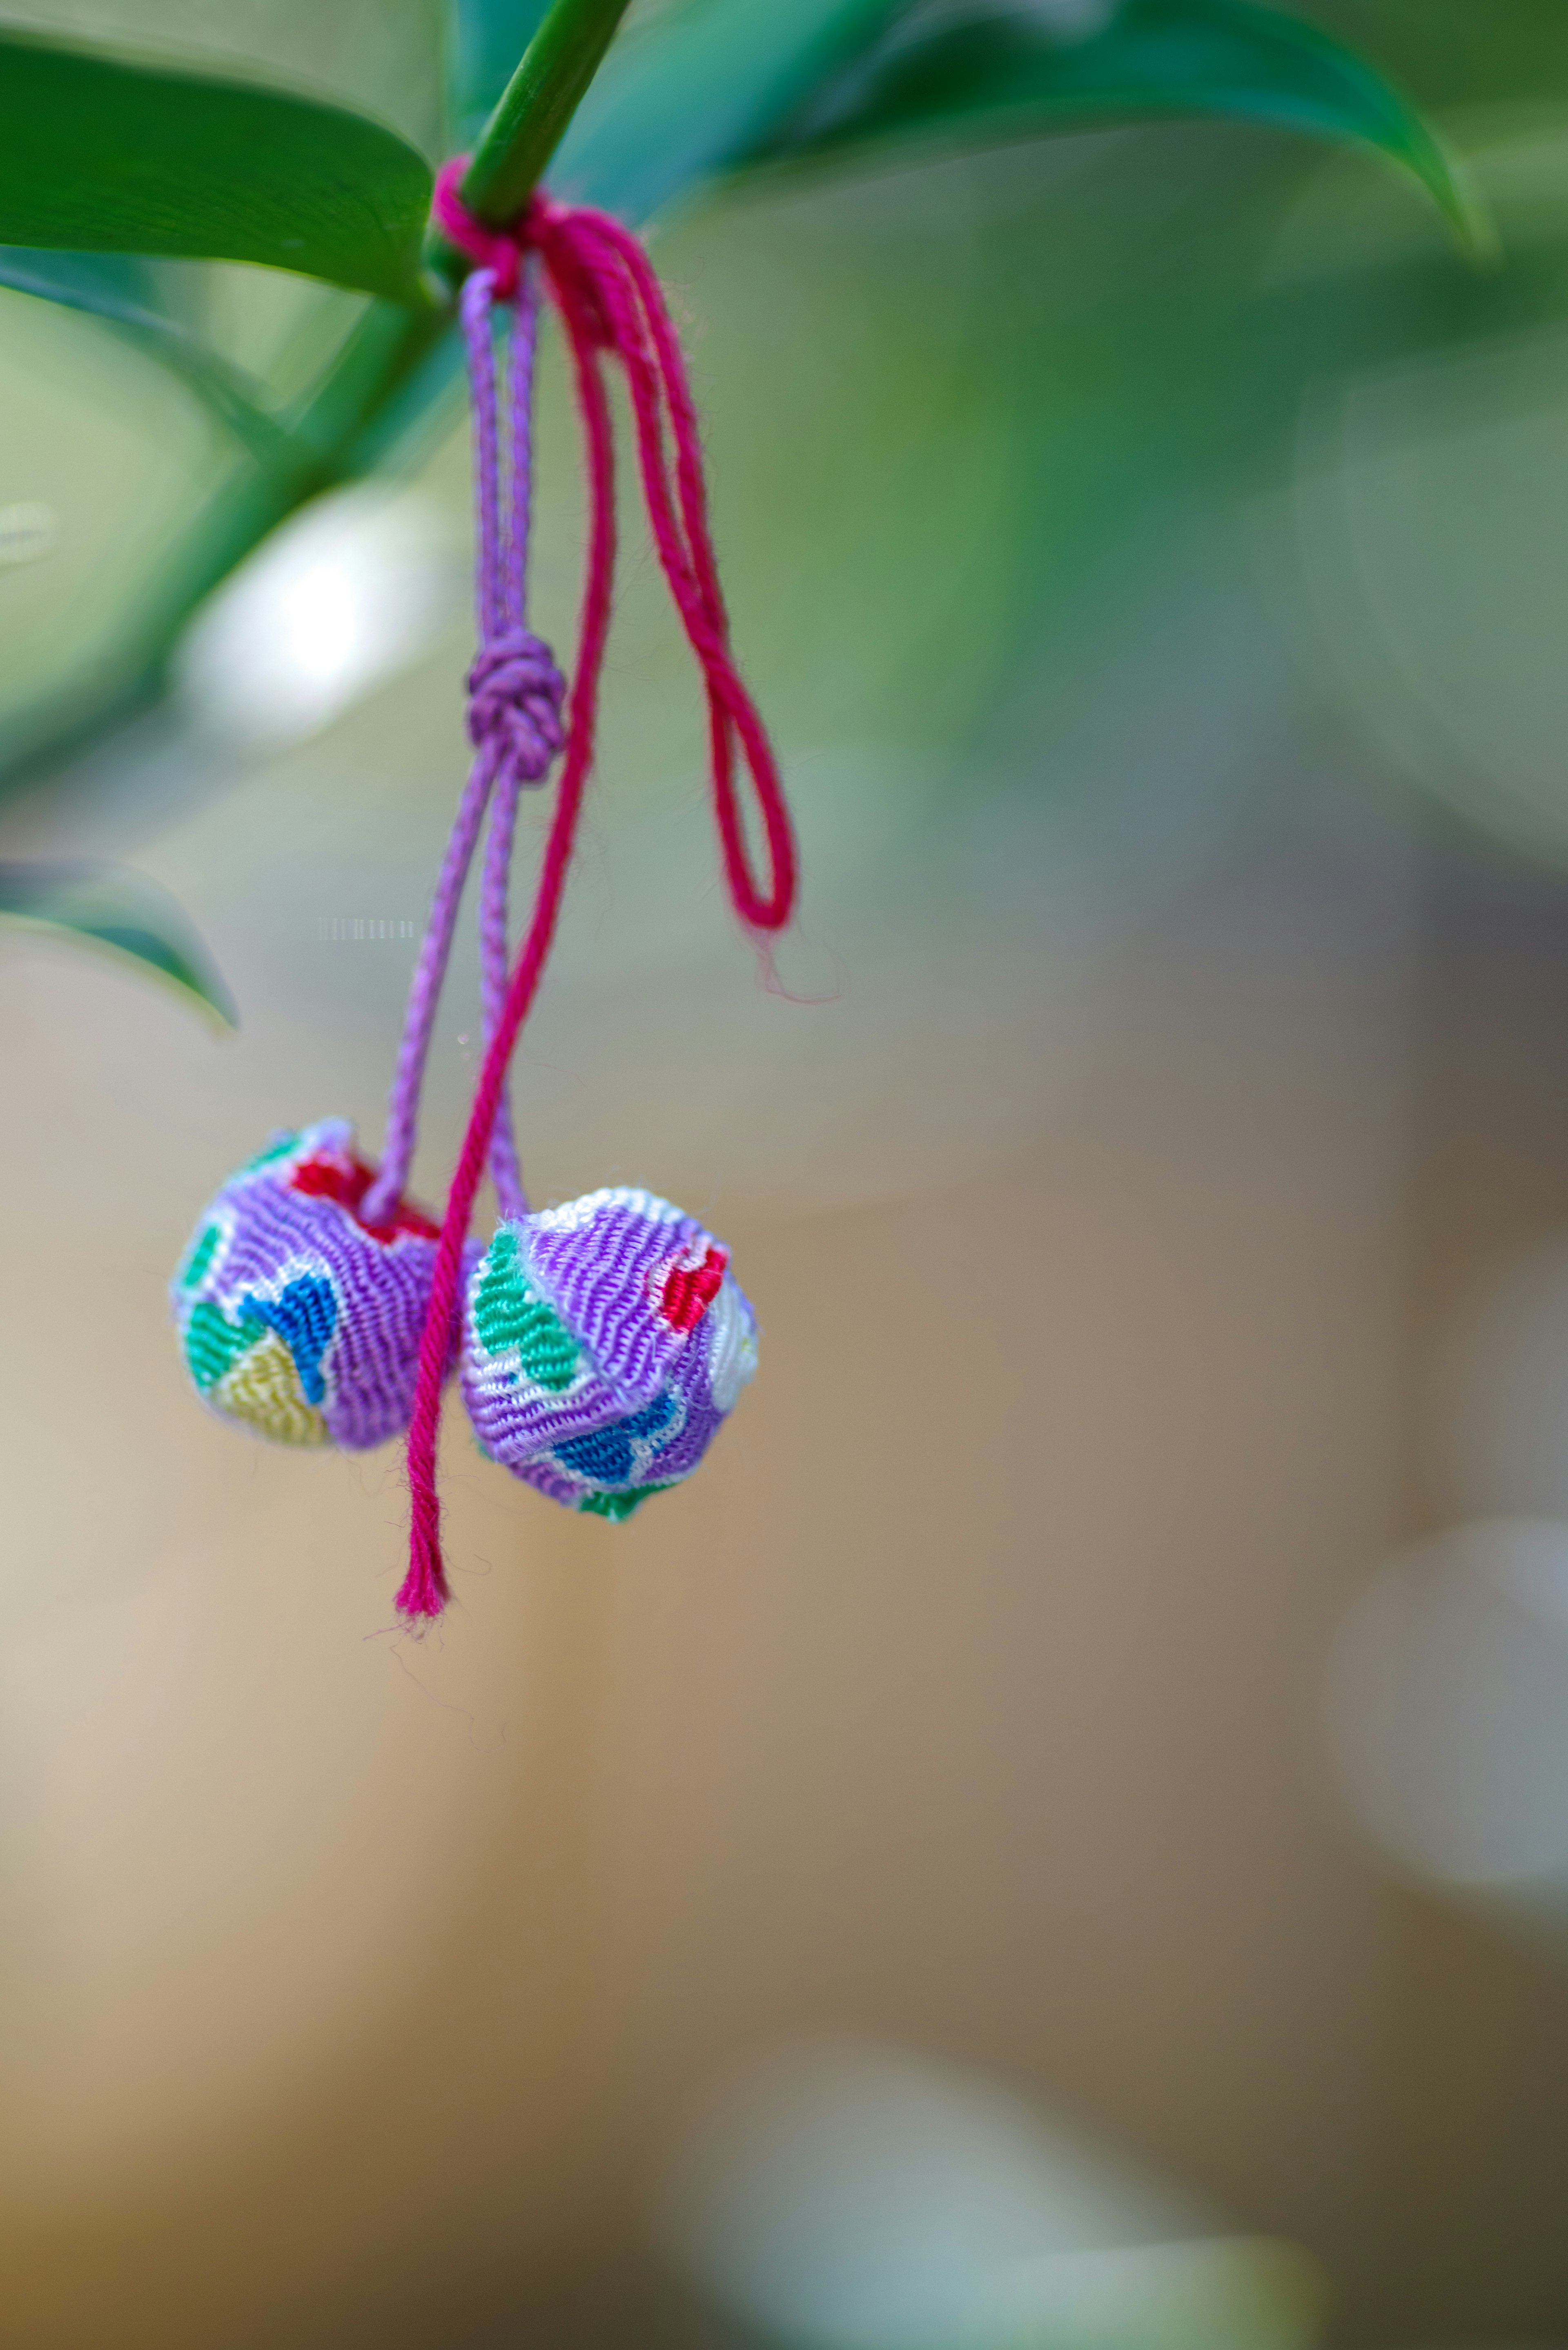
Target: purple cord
[(515, 700), (504, 589)]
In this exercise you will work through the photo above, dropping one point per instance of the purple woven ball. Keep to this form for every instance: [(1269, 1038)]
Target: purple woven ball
[(604, 1344), (298, 1320)]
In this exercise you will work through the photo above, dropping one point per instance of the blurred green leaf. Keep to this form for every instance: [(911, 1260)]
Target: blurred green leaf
[(698, 88), (1003, 73), (118, 286), (121, 910), (100, 156), (485, 39), (121, 289)]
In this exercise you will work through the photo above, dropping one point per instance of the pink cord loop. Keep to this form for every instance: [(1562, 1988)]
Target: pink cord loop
[(611, 302), (487, 248), (515, 698), (600, 275)]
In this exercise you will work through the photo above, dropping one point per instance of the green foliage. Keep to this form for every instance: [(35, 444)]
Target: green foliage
[(123, 290), (103, 157), (703, 91), (120, 287), (118, 910), (107, 164), (1000, 73)]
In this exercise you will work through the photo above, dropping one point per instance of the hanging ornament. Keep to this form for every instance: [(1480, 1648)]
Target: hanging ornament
[(604, 1342), (299, 1312)]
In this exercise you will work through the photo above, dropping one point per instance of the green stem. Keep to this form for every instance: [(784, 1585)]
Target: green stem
[(377, 360), (538, 102)]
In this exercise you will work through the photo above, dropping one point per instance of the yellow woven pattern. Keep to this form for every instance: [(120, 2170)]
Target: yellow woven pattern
[(263, 1389)]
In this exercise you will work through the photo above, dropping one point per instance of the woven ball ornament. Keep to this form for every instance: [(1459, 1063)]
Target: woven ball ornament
[(299, 1318), (605, 1343)]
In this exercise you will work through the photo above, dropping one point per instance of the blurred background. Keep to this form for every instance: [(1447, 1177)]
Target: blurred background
[(1060, 1836)]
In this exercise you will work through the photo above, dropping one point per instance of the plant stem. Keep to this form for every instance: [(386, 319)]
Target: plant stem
[(538, 102)]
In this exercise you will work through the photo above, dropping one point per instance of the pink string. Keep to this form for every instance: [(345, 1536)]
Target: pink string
[(610, 302), (615, 273)]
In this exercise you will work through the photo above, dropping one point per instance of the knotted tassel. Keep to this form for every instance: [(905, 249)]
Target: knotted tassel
[(610, 302)]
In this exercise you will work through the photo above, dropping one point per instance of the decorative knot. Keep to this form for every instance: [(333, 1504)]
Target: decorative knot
[(516, 695)]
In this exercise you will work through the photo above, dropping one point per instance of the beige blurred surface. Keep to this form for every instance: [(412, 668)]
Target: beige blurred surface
[(968, 1696)]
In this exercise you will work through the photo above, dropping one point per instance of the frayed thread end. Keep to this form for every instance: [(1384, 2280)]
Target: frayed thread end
[(424, 1593)]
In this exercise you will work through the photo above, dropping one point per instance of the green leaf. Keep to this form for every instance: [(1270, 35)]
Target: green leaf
[(697, 91), (121, 910), (1000, 73), (100, 156), (122, 286)]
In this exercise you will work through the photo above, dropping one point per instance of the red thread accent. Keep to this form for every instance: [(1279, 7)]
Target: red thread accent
[(686, 1290), (346, 1181), (610, 302)]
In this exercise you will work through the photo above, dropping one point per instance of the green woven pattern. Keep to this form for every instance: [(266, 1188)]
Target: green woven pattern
[(278, 1150), (201, 1256), (213, 1341), (507, 1313), (620, 1506)]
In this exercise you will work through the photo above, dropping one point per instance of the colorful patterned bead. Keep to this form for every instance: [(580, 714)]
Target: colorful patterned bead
[(296, 1318), (604, 1342)]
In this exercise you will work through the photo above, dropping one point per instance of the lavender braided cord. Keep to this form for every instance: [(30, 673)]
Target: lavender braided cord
[(494, 963), (515, 691), (515, 700)]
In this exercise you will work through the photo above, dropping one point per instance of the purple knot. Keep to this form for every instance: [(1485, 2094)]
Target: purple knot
[(514, 698)]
